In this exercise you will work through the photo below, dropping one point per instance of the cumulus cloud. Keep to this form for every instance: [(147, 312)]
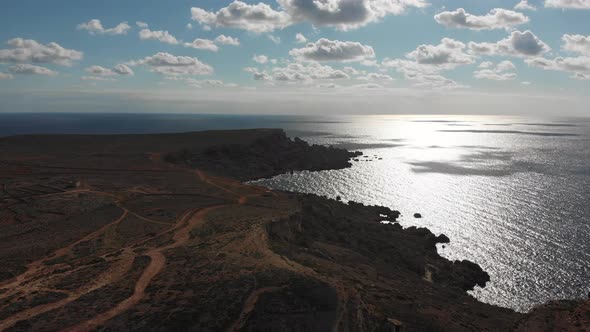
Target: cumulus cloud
[(203, 44), (568, 4), (300, 38), (5, 76), (195, 83), (423, 75), (334, 50), (100, 71), (449, 53), (368, 86), (258, 18), (28, 69), (95, 27), (274, 39), (524, 5), (499, 72), (521, 44), (375, 77), (28, 50), (120, 69), (576, 43), (227, 40), (172, 65), (579, 67), (262, 59), (124, 70), (497, 18), (299, 72), (141, 24), (346, 14), (162, 36), (341, 14)]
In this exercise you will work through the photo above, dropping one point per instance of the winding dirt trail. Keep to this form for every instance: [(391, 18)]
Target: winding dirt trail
[(158, 259), (113, 274), (37, 268), (32, 278), (249, 305)]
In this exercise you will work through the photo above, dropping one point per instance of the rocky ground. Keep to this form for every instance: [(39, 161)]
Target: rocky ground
[(155, 232)]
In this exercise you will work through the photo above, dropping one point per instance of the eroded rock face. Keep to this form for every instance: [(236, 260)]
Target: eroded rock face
[(271, 154)]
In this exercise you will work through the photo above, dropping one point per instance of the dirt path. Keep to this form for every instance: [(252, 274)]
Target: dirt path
[(249, 305), (157, 262), (181, 235), (113, 274), (37, 268)]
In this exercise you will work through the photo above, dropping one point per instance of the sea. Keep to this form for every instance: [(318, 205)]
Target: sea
[(512, 193)]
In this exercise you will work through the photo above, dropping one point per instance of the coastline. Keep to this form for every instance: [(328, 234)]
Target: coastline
[(313, 261)]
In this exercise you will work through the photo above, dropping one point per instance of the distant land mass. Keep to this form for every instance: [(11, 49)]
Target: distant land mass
[(161, 232)]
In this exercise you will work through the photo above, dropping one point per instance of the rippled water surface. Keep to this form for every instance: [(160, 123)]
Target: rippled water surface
[(512, 194)]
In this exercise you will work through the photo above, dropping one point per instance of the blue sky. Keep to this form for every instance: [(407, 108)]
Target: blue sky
[(361, 56)]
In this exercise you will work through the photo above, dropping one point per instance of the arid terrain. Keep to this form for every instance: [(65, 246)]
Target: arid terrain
[(158, 232)]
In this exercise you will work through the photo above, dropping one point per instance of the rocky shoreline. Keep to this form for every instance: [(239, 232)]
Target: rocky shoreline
[(154, 232)]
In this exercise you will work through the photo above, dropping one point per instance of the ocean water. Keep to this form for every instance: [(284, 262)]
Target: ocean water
[(512, 193)]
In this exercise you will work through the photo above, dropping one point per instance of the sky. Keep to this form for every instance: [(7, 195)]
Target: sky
[(296, 56)]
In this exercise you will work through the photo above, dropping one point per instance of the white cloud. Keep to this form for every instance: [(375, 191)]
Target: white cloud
[(497, 18), (172, 65), (194, 83), (99, 71), (346, 14), (189, 26), (499, 72), (341, 14), (375, 77), (29, 69), (524, 5), (521, 44), (368, 86), (262, 59), (95, 27), (568, 4), (258, 18), (5, 76), (299, 72), (122, 69), (203, 44), (227, 40), (300, 38), (141, 24), (28, 50), (449, 52), (423, 75), (274, 39), (97, 78), (578, 66), (334, 50), (577, 43), (162, 36)]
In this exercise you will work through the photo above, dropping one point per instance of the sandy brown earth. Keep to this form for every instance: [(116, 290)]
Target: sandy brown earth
[(150, 232)]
